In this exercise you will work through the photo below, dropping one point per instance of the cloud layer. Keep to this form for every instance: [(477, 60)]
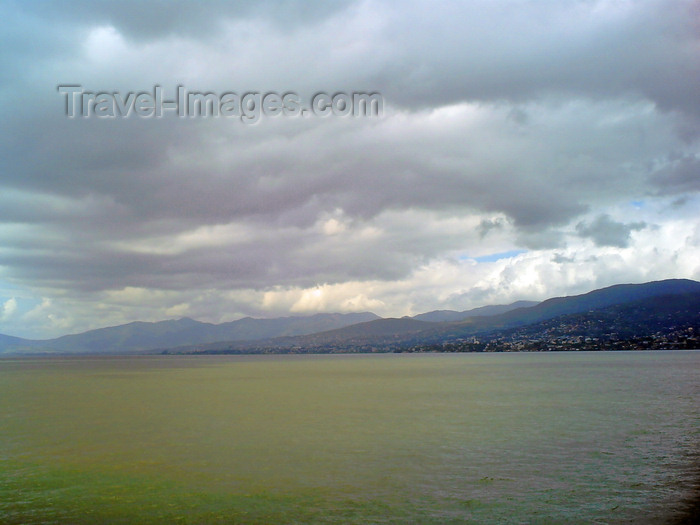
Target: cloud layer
[(562, 134)]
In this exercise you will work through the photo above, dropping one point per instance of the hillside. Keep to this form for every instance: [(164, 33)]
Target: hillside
[(396, 334), (449, 316), (612, 295), (663, 322), (141, 336)]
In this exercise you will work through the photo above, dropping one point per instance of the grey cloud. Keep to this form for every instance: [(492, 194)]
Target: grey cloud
[(162, 18), (571, 106), (486, 225), (522, 51), (682, 175), (421, 54), (28, 40), (542, 239), (559, 258), (519, 115), (287, 256), (212, 172), (604, 231), (130, 180)]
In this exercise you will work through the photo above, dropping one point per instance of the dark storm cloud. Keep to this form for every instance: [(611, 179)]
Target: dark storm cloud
[(515, 51), (510, 119), (162, 18), (604, 231), (294, 256), (129, 180), (176, 170), (682, 175), (425, 54)]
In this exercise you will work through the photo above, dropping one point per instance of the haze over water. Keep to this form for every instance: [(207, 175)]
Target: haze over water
[(483, 438)]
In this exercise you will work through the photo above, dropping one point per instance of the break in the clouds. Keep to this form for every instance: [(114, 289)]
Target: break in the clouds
[(526, 149)]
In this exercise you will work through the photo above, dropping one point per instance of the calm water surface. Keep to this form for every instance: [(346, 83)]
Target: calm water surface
[(482, 438)]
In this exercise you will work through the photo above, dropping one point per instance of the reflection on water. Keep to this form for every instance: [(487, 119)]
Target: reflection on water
[(508, 438)]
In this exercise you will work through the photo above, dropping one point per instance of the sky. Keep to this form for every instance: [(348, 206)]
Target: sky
[(525, 149)]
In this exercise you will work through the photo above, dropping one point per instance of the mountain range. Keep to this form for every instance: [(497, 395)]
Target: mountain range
[(142, 336), (446, 316), (398, 334), (630, 306)]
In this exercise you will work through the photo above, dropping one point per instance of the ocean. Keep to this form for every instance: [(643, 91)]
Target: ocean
[(571, 437)]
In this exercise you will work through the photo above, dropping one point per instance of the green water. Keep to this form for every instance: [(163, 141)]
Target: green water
[(500, 438)]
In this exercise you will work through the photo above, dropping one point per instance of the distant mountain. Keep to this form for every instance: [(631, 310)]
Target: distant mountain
[(641, 318), (661, 322), (448, 316), (9, 341), (378, 332), (383, 334), (379, 329), (366, 331), (254, 329), (612, 295), (140, 336)]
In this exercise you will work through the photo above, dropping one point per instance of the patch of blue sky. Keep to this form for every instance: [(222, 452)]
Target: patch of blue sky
[(492, 257)]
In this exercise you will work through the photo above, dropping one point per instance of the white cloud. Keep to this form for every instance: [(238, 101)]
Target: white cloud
[(9, 307)]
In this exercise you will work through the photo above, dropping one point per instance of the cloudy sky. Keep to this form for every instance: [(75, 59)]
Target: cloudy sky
[(526, 149)]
